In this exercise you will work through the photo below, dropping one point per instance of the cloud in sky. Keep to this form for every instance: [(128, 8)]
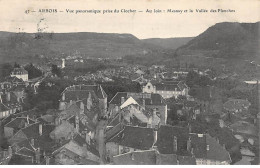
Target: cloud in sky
[(140, 24)]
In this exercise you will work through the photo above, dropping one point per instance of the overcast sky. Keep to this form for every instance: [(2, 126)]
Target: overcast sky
[(140, 24)]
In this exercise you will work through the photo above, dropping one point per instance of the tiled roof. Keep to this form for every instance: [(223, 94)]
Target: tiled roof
[(18, 71), (165, 140), (3, 107), (147, 157), (24, 144), (20, 160), (244, 127), (167, 87), (98, 90), (199, 145), (25, 152), (13, 79), (236, 104), (12, 102), (31, 113), (44, 142), (72, 110), (18, 123), (117, 98), (150, 99), (18, 88), (216, 151), (90, 147), (135, 137), (47, 118), (186, 160), (166, 159), (32, 131), (84, 161)]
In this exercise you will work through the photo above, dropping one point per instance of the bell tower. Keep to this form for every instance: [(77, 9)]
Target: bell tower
[(62, 63)]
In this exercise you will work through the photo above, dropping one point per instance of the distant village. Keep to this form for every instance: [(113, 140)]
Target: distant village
[(127, 115)]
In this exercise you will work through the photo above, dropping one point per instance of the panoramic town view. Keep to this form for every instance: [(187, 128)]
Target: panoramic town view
[(138, 83), (113, 99)]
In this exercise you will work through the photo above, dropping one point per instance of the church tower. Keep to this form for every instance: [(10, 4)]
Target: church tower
[(63, 63)]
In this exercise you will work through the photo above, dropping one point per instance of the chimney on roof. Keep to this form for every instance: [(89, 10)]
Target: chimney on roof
[(120, 115), (189, 144), (32, 142), (27, 119), (47, 160), (8, 97), (10, 151), (175, 145), (89, 101), (192, 152), (77, 123), (63, 96), (207, 147), (81, 107), (37, 155), (154, 137), (154, 113), (87, 138), (122, 100), (189, 127), (217, 140), (40, 129), (132, 156)]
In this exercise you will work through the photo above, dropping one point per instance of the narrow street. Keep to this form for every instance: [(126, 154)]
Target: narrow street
[(100, 139)]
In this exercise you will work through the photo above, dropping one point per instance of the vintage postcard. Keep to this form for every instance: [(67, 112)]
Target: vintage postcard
[(129, 82)]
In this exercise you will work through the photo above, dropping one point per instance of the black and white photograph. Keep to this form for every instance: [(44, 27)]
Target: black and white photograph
[(129, 82)]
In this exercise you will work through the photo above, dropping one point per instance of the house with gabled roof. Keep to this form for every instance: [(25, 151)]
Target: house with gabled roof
[(180, 141), (84, 93), (143, 100), (130, 139), (20, 73), (167, 89), (4, 110), (80, 118), (32, 131), (15, 125), (10, 103), (152, 157), (76, 151), (32, 142)]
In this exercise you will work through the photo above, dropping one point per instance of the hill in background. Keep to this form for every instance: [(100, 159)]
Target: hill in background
[(168, 43), (97, 45), (226, 40)]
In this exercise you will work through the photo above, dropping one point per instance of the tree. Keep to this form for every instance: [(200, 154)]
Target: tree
[(33, 72), (192, 78), (16, 65), (55, 70), (6, 69)]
